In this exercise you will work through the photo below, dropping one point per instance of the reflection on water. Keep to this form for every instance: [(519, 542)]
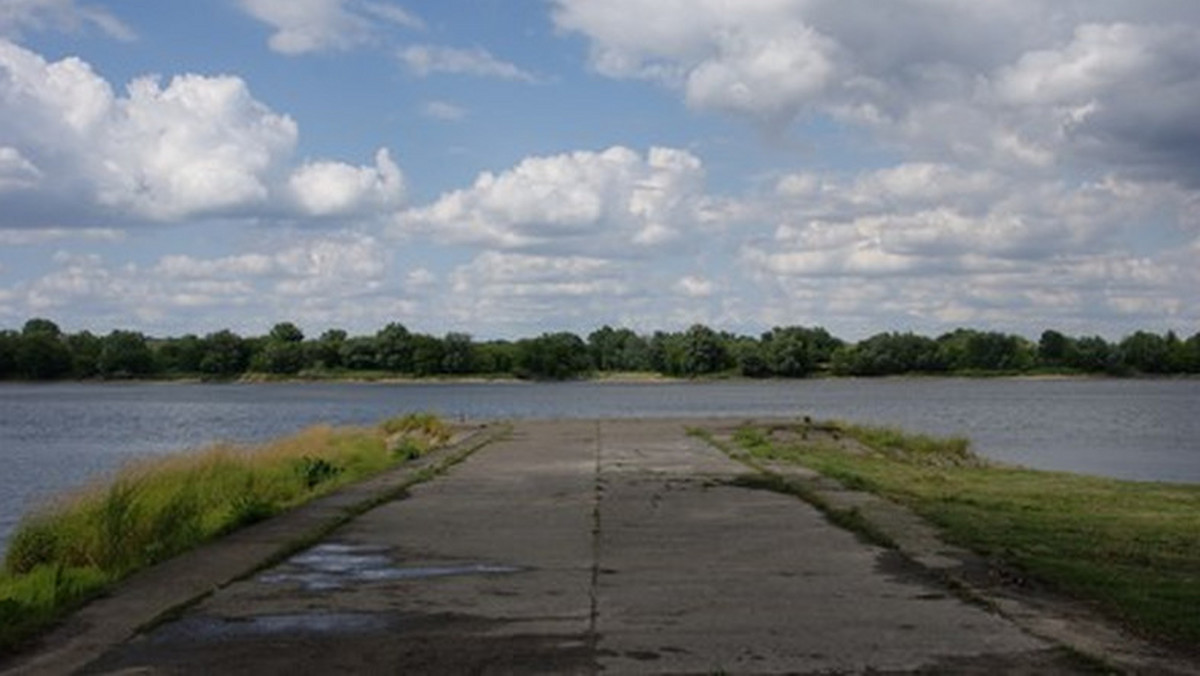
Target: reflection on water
[(54, 436)]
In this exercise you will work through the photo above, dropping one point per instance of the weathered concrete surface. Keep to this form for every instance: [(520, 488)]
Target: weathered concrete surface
[(580, 547), (149, 594)]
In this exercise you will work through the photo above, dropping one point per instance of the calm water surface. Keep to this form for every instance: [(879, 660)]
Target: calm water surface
[(56, 436)]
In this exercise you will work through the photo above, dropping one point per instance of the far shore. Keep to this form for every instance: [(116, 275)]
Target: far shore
[(615, 378)]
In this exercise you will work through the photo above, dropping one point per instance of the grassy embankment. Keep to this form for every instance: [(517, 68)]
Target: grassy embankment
[(153, 509), (1131, 548)]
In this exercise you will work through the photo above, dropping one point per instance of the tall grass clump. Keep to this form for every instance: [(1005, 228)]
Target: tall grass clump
[(73, 548)]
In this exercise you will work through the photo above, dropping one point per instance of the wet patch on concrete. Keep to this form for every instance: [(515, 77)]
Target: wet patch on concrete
[(345, 643), (206, 628), (333, 566), (1049, 662)]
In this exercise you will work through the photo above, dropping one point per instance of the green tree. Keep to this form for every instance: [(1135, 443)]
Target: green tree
[(1146, 352), (1178, 357), (552, 356), (282, 352), (498, 356), (966, 349), (458, 353), (703, 351), (667, 353), (749, 355), (795, 351), (394, 347), (225, 354), (359, 353), (327, 351), (42, 354), (617, 350), (8, 353), (1191, 349), (279, 357), (889, 354), (427, 355), (125, 354), (85, 350), (286, 332), (1055, 349), (1093, 354), (180, 355), (42, 326)]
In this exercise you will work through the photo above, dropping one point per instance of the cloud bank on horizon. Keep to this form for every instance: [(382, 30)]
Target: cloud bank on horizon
[(511, 168)]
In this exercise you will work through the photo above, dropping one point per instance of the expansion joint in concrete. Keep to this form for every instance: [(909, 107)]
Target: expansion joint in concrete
[(594, 591)]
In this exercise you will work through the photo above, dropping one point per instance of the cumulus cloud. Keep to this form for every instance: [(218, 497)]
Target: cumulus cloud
[(520, 289), (305, 278), (426, 60), (1031, 83), (77, 153), (197, 145), (929, 250), (917, 217), (338, 189), (21, 16), (303, 26), (573, 203)]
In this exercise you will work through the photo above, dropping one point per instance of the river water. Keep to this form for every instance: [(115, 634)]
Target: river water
[(55, 436)]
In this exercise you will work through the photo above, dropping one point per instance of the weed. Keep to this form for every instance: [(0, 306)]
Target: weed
[(315, 471)]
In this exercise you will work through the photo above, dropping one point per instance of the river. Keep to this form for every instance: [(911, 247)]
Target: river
[(55, 436)]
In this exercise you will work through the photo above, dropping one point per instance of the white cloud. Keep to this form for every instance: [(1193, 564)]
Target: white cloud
[(769, 75), (19, 16), (442, 110), (920, 246), (199, 145), (521, 290), (391, 13), (1028, 83), (78, 154), (16, 172), (695, 287), (615, 201), (303, 26), (337, 189), (29, 237), (426, 60), (304, 279)]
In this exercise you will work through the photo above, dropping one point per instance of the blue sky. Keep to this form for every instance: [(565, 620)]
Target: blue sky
[(507, 168)]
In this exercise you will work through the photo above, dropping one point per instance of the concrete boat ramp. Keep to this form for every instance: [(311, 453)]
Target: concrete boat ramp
[(565, 547)]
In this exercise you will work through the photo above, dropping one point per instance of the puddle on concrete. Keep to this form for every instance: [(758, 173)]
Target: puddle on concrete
[(334, 566), (208, 628)]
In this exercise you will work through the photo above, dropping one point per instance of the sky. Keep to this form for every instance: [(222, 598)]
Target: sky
[(510, 167)]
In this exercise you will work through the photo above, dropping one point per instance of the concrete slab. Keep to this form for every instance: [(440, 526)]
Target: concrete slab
[(585, 547)]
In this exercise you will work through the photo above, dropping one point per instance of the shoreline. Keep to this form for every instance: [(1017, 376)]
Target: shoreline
[(293, 530), (624, 378)]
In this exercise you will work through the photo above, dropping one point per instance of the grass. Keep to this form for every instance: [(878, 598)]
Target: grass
[(79, 545), (1131, 548)]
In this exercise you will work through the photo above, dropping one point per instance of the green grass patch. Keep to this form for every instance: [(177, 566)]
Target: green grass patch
[(76, 547), (1132, 548)]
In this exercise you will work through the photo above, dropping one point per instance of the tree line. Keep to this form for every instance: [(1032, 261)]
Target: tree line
[(40, 350)]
